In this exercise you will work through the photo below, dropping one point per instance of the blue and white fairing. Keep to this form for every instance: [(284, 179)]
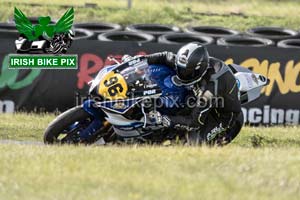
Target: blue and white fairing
[(143, 81)]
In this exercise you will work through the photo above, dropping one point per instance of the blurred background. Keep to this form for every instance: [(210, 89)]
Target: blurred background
[(212, 18), (236, 14)]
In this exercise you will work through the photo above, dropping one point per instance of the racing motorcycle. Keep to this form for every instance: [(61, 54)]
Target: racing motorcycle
[(125, 96)]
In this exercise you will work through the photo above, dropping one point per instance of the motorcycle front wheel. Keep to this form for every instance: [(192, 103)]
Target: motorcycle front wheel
[(65, 128)]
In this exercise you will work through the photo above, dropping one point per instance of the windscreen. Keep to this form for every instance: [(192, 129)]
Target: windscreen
[(129, 80)]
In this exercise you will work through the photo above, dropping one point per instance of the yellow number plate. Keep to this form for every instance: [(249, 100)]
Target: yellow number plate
[(113, 86)]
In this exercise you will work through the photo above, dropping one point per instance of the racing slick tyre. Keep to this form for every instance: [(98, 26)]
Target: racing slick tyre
[(63, 121), (153, 29), (290, 43), (126, 36), (183, 38), (245, 41), (65, 128), (98, 28), (273, 33), (212, 31)]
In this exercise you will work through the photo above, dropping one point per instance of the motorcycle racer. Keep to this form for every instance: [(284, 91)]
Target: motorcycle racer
[(211, 82)]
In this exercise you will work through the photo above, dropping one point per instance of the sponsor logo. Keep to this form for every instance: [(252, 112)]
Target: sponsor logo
[(254, 78), (185, 127), (151, 86), (43, 39), (149, 92), (215, 131), (271, 115), (43, 28), (42, 62), (133, 62)]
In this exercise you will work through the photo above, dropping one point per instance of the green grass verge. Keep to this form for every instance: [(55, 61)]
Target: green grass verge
[(24, 126), (239, 14), (262, 163), (69, 173), (30, 127)]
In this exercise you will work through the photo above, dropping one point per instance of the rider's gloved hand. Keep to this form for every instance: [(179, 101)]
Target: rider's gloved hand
[(158, 119), (126, 58)]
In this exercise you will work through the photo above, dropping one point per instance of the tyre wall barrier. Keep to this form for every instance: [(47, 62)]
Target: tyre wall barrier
[(245, 41), (273, 33), (290, 43), (98, 28), (183, 38), (212, 31), (126, 36), (153, 29), (83, 34), (49, 90), (8, 31)]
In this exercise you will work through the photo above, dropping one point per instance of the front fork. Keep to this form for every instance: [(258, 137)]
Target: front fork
[(90, 132)]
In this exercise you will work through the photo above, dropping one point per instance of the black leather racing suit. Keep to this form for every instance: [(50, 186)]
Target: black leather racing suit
[(215, 116)]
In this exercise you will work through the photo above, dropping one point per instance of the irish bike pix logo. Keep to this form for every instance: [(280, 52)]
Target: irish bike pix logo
[(43, 45)]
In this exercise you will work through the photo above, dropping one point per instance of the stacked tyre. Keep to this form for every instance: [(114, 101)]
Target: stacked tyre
[(126, 36), (83, 34), (215, 32), (8, 31), (290, 43), (169, 34), (153, 29), (98, 28), (183, 38), (245, 41), (273, 33)]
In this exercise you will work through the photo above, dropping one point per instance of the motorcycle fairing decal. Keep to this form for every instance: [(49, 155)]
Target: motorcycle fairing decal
[(131, 126), (119, 106), (113, 86), (139, 81), (89, 107), (101, 73), (170, 93)]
